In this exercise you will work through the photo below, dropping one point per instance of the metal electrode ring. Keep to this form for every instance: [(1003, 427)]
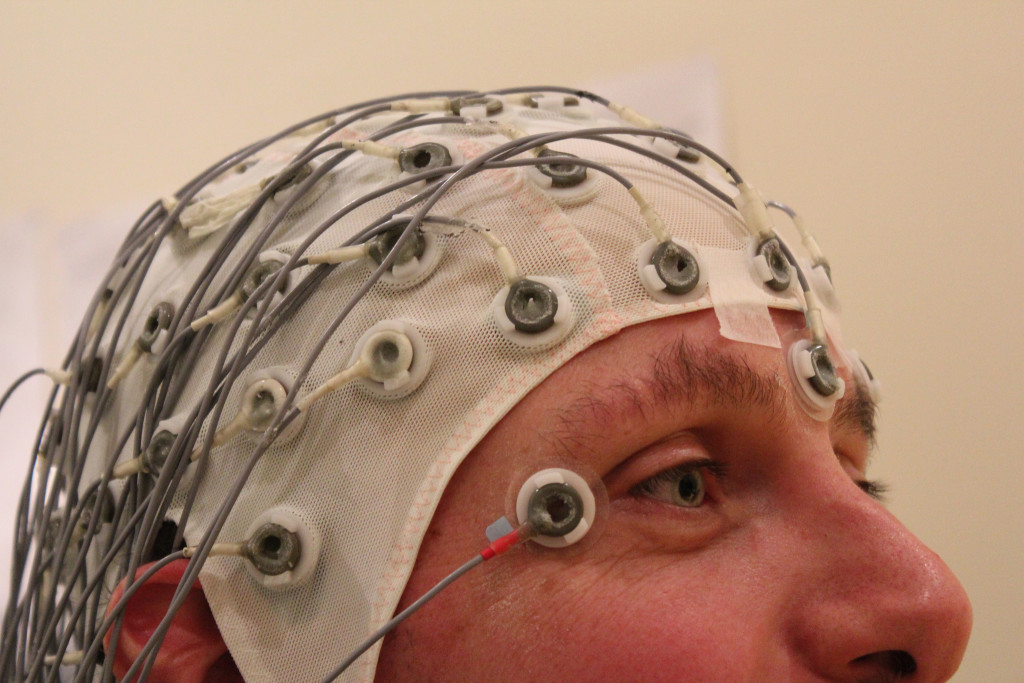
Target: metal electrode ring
[(561, 173), (531, 306), (559, 505), (155, 455), (159, 320), (676, 267), (818, 384), (259, 274), (274, 549), (382, 244), (424, 157), (388, 355), (684, 153), (533, 101), (555, 510), (824, 380), (779, 274)]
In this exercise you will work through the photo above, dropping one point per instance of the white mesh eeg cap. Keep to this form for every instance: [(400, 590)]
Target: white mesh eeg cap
[(362, 470)]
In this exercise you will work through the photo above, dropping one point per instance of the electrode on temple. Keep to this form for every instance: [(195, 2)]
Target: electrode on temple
[(814, 375), (558, 505)]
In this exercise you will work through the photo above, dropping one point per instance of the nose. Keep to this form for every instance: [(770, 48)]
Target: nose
[(874, 603)]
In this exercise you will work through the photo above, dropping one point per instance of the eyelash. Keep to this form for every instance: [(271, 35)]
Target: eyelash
[(650, 487), (874, 488)]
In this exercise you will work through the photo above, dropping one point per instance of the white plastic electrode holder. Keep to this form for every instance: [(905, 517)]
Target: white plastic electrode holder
[(279, 380), (387, 356), (656, 286), (564, 318), (863, 376), (568, 478), (801, 370), (574, 195), (275, 257), (676, 152), (415, 269), (778, 276), (822, 285), (397, 356), (261, 402), (309, 552)]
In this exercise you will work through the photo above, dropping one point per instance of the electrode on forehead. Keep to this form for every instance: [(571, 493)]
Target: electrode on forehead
[(772, 265), (818, 385), (864, 377)]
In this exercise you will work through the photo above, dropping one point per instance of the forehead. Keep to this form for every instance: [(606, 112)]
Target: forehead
[(675, 372)]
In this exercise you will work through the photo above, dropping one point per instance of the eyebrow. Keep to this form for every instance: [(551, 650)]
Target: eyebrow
[(687, 372), (856, 411)]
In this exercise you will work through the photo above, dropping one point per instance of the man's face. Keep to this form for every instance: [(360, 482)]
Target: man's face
[(740, 542)]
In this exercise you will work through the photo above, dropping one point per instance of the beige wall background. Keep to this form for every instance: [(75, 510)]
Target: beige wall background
[(894, 127)]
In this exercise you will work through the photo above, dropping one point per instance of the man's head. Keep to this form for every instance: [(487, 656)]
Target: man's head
[(324, 367)]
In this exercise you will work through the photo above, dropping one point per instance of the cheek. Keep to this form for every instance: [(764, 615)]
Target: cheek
[(642, 619)]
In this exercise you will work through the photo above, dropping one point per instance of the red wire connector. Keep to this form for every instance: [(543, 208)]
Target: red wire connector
[(499, 546)]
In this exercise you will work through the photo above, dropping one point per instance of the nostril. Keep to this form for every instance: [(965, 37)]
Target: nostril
[(892, 665)]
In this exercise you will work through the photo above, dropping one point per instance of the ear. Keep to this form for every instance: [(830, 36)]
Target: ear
[(193, 649)]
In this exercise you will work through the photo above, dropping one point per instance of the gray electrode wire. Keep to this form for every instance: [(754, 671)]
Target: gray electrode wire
[(519, 90), (94, 583), (277, 423), (255, 329), (17, 383), (71, 436), (34, 622), (464, 171), (402, 616), (105, 372), (280, 421)]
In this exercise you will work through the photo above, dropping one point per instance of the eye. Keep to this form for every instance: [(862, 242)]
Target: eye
[(683, 485)]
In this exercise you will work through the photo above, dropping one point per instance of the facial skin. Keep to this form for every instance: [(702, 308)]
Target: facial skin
[(786, 570)]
